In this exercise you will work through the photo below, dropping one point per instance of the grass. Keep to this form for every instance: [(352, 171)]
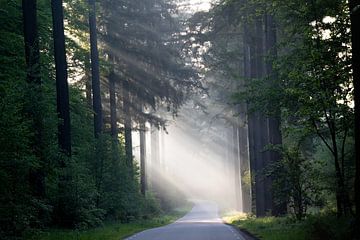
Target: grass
[(315, 227), (112, 231)]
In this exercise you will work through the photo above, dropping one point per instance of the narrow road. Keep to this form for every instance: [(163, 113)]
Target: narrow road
[(201, 223)]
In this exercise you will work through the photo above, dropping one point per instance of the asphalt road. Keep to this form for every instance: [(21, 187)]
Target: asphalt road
[(201, 223)]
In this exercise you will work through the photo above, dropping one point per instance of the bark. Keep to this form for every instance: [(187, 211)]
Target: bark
[(237, 181), (127, 124), (244, 161), (162, 150), (260, 166), (249, 73), (274, 124), (155, 161), (95, 73), (259, 123), (87, 79), (62, 88), (113, 120), (355, 38), (258, 130), (143, 158)]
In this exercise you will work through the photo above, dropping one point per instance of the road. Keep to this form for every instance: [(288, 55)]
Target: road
[(201, 223)]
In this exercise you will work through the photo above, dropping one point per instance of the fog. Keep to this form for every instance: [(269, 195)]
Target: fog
[(195, 156)]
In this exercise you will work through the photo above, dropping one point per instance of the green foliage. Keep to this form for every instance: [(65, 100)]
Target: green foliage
[(271, 228), (314, 227), (311, 90), (295, 179), (112, 231), (40, 187)]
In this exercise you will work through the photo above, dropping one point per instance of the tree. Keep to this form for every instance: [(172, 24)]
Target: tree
[(127, 122), (274, 118), (112, 95), (355, 39), (32, 57), (62, 88), (143, 172), (95, 72)]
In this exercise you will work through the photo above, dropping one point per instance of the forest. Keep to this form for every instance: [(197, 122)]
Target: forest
[(122, 112)]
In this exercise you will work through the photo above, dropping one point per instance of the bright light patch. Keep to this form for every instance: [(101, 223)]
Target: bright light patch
[(192, 6)]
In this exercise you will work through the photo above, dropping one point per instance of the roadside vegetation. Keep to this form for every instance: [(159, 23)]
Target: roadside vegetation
[(114, 231), (317, 227)]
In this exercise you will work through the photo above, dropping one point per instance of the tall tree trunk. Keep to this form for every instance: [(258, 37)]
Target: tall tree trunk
[(355, 33), (243, 135), (249, 73), (246, 140), (95, 73), (237, 181), (264, 188), (62, 217), (113, 120), (155, 161), (143, 158), (34, 93), (62, 88), (127, 123), (31, 39), (162, 150), (257, 121), (87, 79), (274, 124)]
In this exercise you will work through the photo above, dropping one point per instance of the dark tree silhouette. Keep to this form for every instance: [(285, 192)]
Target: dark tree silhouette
[(95, 72), (127, 122), (274, 121), (355, 31), (112, 93), (32, 57), (62, 88), (32, 53)]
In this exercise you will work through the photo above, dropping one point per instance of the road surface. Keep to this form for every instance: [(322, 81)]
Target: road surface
[(201, 223)]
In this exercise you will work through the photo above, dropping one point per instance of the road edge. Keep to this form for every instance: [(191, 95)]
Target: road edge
[(243, 232)]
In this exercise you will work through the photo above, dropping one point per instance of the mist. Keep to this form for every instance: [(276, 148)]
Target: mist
[(195, 156)]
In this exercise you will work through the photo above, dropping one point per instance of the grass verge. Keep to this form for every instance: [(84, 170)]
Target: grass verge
[(314, 227), (113, 231)]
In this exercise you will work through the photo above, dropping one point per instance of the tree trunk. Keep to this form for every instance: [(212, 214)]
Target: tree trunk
[(155, 161), (248, 73), (162, 150), (62, 217), (237, 181), (31, 39), (244, 161), (245, 136), (143, 158), (62, 88), (274, 124), (95, 73), (355, 33), (127, 123), (34, 91), (87, 79), (113, 120)]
